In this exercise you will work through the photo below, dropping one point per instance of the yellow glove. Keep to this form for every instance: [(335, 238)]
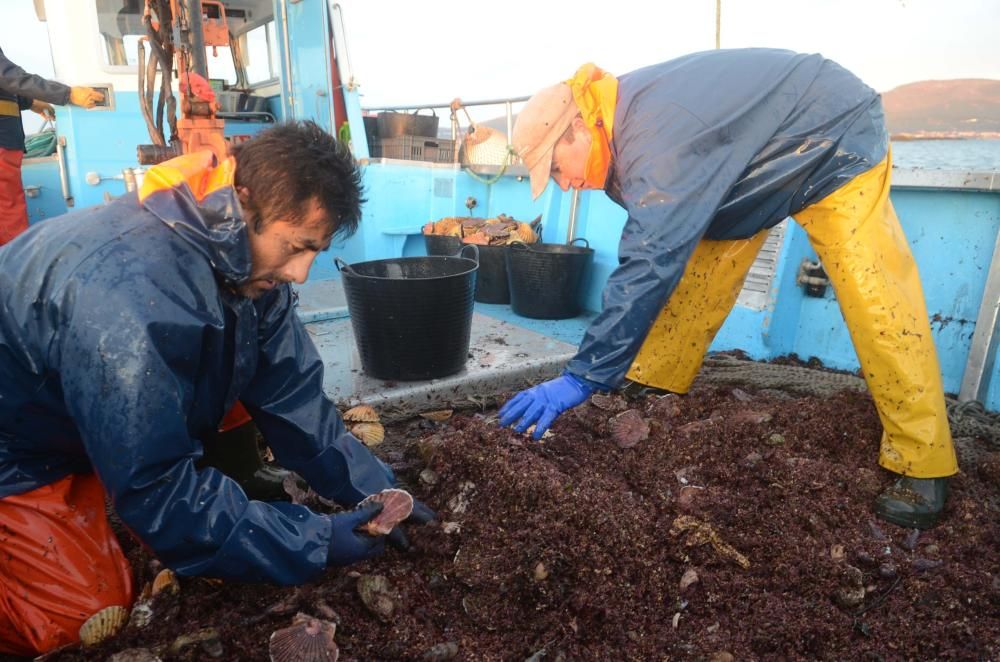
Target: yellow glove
[(44, 109), (84, 96)]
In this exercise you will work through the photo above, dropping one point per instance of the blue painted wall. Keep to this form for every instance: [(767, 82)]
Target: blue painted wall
[(951, 234), (44, 173), (308, 32)]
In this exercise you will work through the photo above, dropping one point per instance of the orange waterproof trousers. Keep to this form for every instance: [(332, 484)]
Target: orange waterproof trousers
[(13, 209), (60, 563)]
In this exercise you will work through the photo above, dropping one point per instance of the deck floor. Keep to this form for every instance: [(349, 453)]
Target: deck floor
[(507, 352)]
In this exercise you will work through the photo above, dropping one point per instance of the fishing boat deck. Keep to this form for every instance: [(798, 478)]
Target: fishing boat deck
[(506, 352)]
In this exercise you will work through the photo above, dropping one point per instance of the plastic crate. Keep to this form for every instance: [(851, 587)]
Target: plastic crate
[(416, 148)]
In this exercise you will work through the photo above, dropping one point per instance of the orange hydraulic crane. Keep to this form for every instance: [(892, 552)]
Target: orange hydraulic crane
[(177, 38)]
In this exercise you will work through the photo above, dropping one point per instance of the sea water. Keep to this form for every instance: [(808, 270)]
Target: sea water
[(965, 155)]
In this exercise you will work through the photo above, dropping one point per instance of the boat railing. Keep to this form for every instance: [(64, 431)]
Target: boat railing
[(453, 107)]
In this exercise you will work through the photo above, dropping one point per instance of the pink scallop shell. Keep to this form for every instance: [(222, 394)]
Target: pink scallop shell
[(398, 504), (629, 428)]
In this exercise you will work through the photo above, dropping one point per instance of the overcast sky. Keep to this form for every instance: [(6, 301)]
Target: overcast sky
[(406, 52)]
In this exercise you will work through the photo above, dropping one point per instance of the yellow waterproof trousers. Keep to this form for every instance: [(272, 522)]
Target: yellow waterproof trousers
[(857, 236)]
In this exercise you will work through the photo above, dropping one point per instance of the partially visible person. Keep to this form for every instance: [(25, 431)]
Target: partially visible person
[(19, 91), (706, 153), (127, 332)]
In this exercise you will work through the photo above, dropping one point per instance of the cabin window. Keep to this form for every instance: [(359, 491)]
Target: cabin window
[(260, 53), (121, 27), (220, 64)]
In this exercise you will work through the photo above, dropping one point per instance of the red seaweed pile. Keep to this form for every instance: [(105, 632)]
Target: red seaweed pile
[(720, 525)]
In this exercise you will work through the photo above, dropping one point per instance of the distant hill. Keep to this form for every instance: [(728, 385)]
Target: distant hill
[(965, 108)]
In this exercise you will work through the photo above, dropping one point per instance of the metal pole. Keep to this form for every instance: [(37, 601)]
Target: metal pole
[(574, 203), (982, 352), (63, 170), (718, 24), (197, 34), (328, 57), (288, 60)]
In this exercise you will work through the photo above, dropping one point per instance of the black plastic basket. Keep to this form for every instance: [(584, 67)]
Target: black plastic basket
[(491, 283), (412, 316), (439, 244), (546, 280)]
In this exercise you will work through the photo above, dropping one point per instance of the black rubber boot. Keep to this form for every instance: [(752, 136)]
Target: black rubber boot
[(635, 390), (916, 503), (235, 453)]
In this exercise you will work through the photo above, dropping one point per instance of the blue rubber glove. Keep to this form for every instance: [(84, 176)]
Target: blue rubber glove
[(349, 546), (540, 405)]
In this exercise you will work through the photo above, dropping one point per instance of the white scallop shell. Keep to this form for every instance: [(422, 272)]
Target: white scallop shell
[(103, 625)]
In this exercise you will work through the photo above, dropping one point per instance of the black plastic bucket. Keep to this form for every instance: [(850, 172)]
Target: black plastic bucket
[(394, 125), (546, 280), (491, 283), (439, 244), (412, 316)]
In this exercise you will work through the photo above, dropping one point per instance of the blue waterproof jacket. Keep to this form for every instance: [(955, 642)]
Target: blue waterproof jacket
[(718, 145), (21, 87), (122, 343)]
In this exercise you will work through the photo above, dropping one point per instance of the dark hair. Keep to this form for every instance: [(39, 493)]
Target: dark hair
[(290, 164)]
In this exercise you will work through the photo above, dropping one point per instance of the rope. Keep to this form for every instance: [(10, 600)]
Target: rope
[(970, 419), (42, 143), (493, 179), (508, 158)]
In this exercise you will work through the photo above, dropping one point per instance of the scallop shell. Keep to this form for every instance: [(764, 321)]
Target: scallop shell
[(629, 428), (524, 233), (361, 414), (371, 434), (478, 238), (307, 639), (440, 415), (376, 594), (103, 625), (664, 407), (603, 401), (496, 230), (166, 580), (397, 506)]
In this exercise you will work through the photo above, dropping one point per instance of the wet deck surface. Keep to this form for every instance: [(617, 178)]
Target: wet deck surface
[(507, 352)]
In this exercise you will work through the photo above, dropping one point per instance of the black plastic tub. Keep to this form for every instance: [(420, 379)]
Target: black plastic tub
[(546, 280), (439, 244), (394, 125), (491, 283), (412, 316)]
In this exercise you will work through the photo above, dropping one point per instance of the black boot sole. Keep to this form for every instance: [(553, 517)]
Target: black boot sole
[(910, 520)]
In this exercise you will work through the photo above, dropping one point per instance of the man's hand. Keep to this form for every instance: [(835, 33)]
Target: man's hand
[(44, 109), (421, 515), (540, 405), (84, 96), (349, 546)]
